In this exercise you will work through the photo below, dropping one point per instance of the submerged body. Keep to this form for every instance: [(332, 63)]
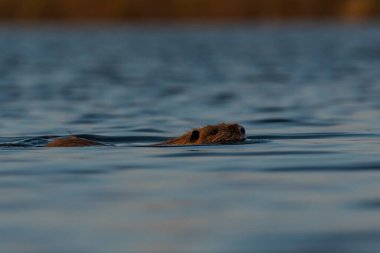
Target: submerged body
[(211, 134), (72, 141)]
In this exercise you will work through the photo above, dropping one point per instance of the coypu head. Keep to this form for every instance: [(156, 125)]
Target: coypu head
[(212, 134)]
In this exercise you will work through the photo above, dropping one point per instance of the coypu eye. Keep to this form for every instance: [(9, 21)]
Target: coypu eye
[(213, 132), (194, 135), (242, 130)]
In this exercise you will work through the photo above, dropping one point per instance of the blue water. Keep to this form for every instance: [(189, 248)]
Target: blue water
[(306, 180)]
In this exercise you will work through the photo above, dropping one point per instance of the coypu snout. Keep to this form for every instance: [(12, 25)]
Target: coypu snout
[(212, 134), (242, 130)]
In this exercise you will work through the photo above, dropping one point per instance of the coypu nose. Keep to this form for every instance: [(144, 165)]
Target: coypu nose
[(242, 130)]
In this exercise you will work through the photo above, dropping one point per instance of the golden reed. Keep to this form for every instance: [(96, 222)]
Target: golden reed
[(185, 10)]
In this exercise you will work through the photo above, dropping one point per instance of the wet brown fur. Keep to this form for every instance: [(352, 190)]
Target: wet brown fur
[(211, 134), (222, 133), (72, 141)]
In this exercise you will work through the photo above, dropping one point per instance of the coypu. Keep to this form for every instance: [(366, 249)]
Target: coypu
[(211, 134)]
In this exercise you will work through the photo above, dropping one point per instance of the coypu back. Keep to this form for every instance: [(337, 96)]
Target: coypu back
[(211, 134), (72, 141)]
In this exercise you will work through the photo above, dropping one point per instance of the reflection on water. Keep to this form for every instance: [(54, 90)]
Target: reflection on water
[(306, 180)]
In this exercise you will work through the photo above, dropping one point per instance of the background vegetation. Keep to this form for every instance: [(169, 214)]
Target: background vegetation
[(149, 10)]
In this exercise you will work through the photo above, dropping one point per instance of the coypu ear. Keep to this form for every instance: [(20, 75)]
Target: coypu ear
[(194, 136)]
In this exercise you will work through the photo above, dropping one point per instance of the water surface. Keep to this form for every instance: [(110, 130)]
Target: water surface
[(306, 180)]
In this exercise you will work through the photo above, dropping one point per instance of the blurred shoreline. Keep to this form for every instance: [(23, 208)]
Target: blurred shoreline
[(185, 11)]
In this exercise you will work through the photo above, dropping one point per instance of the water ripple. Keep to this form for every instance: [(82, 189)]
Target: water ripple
[(203, 153), (39, 141), (360, 167)]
